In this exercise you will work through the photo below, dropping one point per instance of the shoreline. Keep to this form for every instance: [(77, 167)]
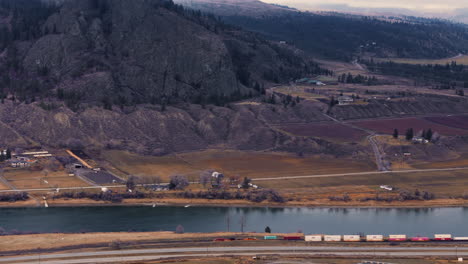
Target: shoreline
[(444, 203)]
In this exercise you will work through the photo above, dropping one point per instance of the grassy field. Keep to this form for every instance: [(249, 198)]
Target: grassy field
[(440, 183), (26, 179), (460, 60), (462, 161), (3, 187), (244, 164)]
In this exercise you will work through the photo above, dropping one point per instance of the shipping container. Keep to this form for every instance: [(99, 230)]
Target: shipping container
[(420, 239), (313, 238), (332, 238), (443, 237), (397, 238), (374, 238), (460, 238), (293, 238), (270, 237), (351, 238)]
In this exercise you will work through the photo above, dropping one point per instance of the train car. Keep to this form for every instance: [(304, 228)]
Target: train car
[(270, 237), (460, 238), (443, 237), (420, 239), (293, 238), (351, 238), (313, 238), (395, 238), (332, 238), (374, 238)]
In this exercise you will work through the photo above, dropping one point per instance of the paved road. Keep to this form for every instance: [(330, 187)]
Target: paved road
[(161, 253), (254, 179), (357, 174)]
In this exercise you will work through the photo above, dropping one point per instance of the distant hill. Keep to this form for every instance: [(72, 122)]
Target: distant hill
[(254, 8), (342, 36)]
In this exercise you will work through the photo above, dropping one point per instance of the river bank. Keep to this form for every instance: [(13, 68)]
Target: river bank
[(319, 203)]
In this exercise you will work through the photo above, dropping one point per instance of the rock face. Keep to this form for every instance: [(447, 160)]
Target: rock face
[(133, 49), (149, 131), (127, 52)]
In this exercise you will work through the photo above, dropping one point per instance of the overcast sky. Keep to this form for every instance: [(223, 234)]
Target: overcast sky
[(417, 5)]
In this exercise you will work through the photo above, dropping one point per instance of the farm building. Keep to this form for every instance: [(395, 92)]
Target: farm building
[(310, 81), (345, 100), (21, 162)]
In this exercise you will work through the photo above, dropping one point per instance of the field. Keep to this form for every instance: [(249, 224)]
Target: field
[(457, 121), (26, 179), (459, 59), (332, 131), (441, 183), (3, 187), (402, 124), (244, 164)]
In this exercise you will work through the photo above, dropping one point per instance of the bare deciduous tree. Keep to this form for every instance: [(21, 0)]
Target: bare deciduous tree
[(205, 177), (178, 182)]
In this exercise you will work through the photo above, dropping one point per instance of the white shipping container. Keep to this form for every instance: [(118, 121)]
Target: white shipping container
[(442, 236), (331, 238), (351, 238), (313, 238), (374, 238), (461, 238)]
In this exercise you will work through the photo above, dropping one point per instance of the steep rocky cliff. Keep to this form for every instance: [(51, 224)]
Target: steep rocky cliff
[(122, 52)]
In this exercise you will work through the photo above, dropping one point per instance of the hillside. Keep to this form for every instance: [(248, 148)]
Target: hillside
[(125, 53), (340, 36)]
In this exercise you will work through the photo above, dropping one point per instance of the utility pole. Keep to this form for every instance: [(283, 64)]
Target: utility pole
[(228, 221)]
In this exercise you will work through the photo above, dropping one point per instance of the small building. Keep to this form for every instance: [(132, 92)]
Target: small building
[(21, 162), (345, 100), (420, 140)]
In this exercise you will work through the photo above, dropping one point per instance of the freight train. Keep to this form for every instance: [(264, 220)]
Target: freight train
[(356, 238), (376, 238)]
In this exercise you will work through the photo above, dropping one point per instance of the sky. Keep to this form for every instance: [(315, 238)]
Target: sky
[(416, 5)]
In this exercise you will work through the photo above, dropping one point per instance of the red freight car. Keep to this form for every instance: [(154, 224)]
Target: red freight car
[(292, 238), (420, 239)]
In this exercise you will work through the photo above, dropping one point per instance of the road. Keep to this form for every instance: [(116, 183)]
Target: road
[(254, 179), (116, 256), (358, 174), (379, 157)]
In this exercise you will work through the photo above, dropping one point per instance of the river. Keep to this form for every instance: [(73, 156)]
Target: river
[(410, 221)]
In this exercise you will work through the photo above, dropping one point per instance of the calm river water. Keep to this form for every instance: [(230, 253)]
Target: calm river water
[(426, 221)]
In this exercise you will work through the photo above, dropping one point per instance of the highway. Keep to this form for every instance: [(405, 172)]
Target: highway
[(116, 256)]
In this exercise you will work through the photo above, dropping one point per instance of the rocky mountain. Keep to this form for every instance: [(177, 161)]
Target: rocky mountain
[(142, 75), (121, 52)]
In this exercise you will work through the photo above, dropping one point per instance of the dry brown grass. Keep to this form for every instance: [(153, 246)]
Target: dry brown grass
[(45, 241), (145, 166), (26, 179), (441, 183), (244, 164), (462, 161), (459, 60), (261, 165)]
